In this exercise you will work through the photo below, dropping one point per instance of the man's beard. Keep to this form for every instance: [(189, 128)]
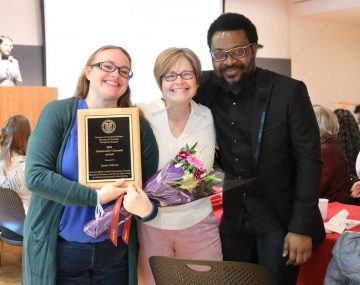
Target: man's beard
[(237, 86)]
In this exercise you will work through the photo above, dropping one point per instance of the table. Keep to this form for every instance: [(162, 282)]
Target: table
[(313, 271)]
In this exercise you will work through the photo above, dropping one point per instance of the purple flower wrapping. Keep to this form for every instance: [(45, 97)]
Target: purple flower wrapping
[(95, 227), (180, 181), (159, 190)]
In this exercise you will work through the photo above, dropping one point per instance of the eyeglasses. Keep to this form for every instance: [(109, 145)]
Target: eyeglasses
[(172, 76), (237, 52), (110, 67)]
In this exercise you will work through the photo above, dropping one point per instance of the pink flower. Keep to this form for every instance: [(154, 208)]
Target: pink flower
[(195, 161)]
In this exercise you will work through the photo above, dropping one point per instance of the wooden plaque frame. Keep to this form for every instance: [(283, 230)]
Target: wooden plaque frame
[(109, 146)]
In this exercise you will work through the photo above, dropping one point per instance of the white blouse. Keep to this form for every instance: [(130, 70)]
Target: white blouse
[(199, 129)]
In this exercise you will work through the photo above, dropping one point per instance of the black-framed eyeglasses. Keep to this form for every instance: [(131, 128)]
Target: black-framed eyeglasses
[(172, 76), (110, 67), (236, 52)]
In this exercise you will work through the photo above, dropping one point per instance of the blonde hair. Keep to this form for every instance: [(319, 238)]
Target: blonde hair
[(167, 58), (14, 136), (328, 123)]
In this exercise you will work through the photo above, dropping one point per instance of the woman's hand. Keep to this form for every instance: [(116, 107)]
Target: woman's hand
[(355, 190), (137, 202), (112, 191)]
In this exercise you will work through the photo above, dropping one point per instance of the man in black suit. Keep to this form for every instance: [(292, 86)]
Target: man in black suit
[(269, 149)]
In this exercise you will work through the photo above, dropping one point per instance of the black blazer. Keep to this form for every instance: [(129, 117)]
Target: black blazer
[(285, 147)]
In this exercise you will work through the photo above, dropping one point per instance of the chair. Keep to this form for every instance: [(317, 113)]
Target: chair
[(173, 270), (12, 216)]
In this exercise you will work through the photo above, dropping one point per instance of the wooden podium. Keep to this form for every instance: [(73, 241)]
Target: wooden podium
[(25, 100)]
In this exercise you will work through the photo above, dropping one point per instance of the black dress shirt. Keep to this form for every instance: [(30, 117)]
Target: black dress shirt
[(242, 198)]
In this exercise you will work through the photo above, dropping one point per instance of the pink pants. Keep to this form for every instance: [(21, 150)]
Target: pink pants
[(200, 241)]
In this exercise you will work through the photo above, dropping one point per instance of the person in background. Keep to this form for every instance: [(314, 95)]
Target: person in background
[(188, 230), (335, 181), (269, 149), (14, 137), (357, 115), (55, 248), (349, 138), (344, 265), (9, 66)]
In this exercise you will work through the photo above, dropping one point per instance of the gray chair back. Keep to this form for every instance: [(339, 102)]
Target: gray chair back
[(180, 271), (12, 213)]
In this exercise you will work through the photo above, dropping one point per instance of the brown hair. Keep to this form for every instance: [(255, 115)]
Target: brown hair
[(169, 57), (14, 136), (82, 87)]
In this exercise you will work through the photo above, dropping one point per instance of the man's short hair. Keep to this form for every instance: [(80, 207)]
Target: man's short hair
[(357, 109), (232, 22)]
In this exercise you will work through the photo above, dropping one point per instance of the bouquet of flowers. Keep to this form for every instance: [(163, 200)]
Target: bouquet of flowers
[(182, 180)]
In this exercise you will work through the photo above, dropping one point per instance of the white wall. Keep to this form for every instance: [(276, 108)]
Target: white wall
[(313, 7), (143, 27), (21, 20), (271, 20), (324, 54)]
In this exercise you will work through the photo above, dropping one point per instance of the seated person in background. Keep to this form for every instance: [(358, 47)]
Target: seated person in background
[(14, 137), (335, 181), (344, 266), (348, 138), (9, 66)]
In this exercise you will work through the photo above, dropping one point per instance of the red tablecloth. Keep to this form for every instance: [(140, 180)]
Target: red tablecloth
[(313, 271), (216, 201)]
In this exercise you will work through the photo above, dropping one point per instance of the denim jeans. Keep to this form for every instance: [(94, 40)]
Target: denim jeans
[(92, 263)]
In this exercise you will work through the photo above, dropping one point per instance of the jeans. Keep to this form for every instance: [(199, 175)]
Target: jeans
[(92, 263), (265, 249)]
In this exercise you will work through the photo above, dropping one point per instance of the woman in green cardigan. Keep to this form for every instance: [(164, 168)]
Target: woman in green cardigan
[(55, 248)]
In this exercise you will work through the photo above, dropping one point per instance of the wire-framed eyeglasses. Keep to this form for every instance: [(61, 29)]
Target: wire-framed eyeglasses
[(172, 76), (110, 67), (236, 52)]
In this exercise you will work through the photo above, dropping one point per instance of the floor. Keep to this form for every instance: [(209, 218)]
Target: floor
[(10, 267)]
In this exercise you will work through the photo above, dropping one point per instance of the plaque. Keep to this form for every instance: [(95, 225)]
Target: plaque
[(109, 146)]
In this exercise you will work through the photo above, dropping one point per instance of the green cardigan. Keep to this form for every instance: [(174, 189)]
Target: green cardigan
[(51, 191)]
